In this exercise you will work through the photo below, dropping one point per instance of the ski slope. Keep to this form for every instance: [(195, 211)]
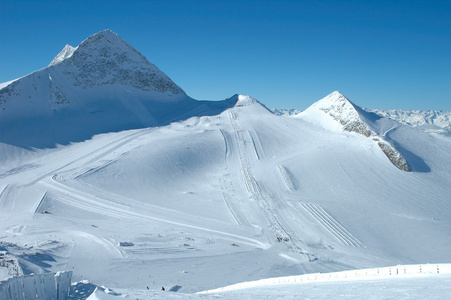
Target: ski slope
[(133, 185), (190, 203)]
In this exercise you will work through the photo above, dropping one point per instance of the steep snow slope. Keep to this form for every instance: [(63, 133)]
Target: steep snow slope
[(103, 85)]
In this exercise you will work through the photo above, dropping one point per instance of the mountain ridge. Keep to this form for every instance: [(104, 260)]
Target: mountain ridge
[(428, 120), (102, 85)]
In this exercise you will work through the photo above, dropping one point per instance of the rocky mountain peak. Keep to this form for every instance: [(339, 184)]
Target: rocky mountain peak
[(105, 59), (337, 106), (352, 118)]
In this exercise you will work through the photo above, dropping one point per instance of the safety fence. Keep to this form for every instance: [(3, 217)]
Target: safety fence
[(362, 274), (49, 286)]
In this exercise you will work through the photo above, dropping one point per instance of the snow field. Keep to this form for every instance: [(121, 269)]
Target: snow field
[(175, 203)]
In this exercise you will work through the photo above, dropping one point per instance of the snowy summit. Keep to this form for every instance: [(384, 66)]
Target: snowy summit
[(106, 59), (67, 52)]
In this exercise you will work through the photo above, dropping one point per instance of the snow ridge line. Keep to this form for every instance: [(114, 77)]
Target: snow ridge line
[(39, 204), (332, 225), (258, 195), (361, 274), (286, 177)]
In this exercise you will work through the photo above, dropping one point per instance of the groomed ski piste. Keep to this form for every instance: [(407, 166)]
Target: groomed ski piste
[(215, 194), (83, 207)]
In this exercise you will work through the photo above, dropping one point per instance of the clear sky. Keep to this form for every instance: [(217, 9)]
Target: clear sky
[(379, 54)]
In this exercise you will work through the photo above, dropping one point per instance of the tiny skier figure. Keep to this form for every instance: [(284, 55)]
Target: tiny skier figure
[(163, 289)]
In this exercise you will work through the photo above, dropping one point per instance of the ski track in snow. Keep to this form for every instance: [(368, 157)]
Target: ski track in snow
[(254, 147), (92, 156), (259, 196), (99, 161), (228, 192), (332, 225), (51, 197), (19, 169), (230, 200)]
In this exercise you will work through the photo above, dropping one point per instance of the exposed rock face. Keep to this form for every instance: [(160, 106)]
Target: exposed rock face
[(352, 119), (393, 154)]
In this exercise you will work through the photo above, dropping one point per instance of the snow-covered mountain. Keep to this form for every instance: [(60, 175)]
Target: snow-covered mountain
[(102, 85), (195, 195), (346, 116)]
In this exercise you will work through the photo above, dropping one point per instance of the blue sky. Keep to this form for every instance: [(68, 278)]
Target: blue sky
[(380, 54)]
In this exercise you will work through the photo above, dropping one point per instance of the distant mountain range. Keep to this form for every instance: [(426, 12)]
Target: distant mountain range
[(428, 120)]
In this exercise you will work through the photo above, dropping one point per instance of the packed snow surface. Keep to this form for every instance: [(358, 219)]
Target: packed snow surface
[(134, 184)]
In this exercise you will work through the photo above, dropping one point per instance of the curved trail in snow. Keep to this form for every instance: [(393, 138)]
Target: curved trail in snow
[(72, 164), (63, 161), (98, 205)]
